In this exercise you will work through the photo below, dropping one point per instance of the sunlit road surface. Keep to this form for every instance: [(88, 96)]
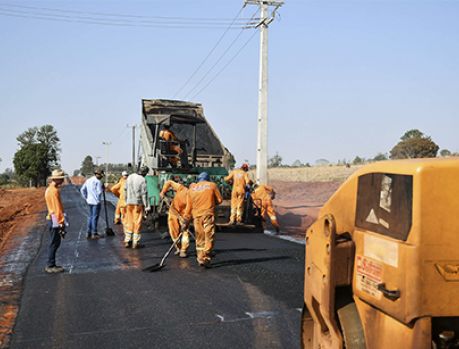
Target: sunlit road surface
[(250, 298)]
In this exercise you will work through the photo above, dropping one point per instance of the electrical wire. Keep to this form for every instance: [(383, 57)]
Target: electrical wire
[(110, 22), (208, 55), (217, 62), (122, 15), (226, 65)]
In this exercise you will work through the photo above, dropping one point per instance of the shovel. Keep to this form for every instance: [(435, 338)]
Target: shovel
[(108, 231), (162, 264)]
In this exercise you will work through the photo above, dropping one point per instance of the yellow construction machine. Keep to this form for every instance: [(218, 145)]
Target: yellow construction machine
[(382, 260)]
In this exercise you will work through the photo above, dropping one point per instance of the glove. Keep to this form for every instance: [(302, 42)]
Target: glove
[(62, 231), (147, 210)]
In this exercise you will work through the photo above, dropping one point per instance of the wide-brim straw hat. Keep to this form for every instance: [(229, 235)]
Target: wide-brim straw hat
[(57, 174)]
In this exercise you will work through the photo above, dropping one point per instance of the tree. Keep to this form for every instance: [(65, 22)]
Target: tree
[(275, 161), (38, 154), (322, 162), (358, 161), (445, 153), (30, 164), (380, 157), (414, 144), (87, 166), (297, 163)]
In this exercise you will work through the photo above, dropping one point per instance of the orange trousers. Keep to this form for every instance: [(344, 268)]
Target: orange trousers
[(204, 227), (120, 213), (175, 224), (133, 222), (237, 206), (268, 209)]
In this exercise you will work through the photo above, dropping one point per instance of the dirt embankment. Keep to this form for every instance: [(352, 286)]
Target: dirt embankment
[(298, 203), (19, 208)]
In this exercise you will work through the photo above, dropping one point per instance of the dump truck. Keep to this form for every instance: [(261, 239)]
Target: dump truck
[(382, 260), (194, 149)]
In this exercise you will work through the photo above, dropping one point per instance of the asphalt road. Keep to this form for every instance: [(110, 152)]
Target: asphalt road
[(250, 298)]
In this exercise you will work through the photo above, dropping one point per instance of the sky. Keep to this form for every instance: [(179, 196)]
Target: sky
[(346, 78)]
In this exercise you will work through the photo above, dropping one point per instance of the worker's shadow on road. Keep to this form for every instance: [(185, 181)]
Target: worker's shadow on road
[(234, 262)]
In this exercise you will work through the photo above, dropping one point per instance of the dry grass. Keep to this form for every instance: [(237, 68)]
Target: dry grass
[(311, 174)]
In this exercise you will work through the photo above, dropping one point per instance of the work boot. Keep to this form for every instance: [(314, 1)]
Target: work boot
[(277, 230), (177, 252), (117, 222), (96, 236), (127, 244), (89, 236), (49, 270), (183, 254), (137, 245), (58, 269)]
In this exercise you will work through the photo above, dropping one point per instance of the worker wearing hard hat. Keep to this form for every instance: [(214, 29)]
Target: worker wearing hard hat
[(118, 191), (176, 220), (55, 218), (262, 197), (137, 203), (202, 198), (240, 179)]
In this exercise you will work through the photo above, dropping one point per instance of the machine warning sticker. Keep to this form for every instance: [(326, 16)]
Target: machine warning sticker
[(368, 275)]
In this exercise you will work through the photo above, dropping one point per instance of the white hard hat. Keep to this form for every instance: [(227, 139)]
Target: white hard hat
[(124, 173)]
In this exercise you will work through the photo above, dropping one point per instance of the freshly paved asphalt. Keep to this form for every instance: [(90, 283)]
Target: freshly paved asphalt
[(250, 298)]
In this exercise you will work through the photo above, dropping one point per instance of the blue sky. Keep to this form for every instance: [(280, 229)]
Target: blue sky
[(346, 78)]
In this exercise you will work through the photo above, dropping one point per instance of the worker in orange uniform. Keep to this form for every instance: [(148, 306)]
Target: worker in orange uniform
[(202, 198), (137, 204), (167, 135), (176, 218), (262, 197), (55, 218), (240, 179), (118, 191)]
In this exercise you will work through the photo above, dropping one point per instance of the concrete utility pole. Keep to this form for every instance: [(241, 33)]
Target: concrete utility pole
[(107, 149), (133, 143), (262, 133)]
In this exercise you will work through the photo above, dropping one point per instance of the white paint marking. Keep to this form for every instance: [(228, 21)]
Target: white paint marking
[(300, 241)]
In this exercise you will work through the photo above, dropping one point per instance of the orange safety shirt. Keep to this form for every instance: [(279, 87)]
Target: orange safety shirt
[(263, 192), (118, 190), (240, 179), (167, 135), (179, 202), (54, 203), (202, 198)]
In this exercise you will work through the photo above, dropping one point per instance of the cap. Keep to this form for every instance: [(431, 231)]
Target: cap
[(144, 170), (203, 176), (99, 171), (124, 173)]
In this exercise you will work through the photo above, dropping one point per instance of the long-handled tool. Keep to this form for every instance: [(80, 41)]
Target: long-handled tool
[(161, 265), (108, 231)]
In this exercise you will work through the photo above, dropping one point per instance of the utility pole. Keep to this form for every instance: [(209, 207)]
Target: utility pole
[(262, 120), (107, 149), (133, 143)]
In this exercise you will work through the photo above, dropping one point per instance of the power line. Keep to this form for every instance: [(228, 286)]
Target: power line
[(107, 14), (226, 65), (105, 22), (208, 55), (217, 62)]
